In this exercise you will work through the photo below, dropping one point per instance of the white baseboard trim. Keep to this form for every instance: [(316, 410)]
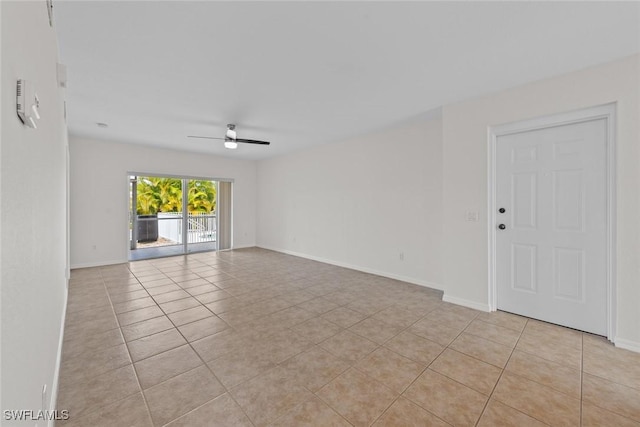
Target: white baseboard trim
[(98, 263), (56, 374), (388, 275), (466, 303), (628, 344)]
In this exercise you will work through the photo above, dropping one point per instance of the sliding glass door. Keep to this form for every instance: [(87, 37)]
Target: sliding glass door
[(175, 215)]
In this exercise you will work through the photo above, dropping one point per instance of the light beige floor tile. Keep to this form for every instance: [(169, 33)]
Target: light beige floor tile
[(358, 398), (115, 290), (189, 315), (210, 297), (181, 394), (91, 364), (159, 280), (343, 317), (391, 369), (348, 346), (483, 349), (504, 319), (281, 345), (315, 368), (128, 296), (603, 359), (453, 402), (375, 330), (170, 296), (318, 305), (405, 413), (154, 344), (497, 414), (191, 281), (161, 367), (416, 348), (451, 318), (157, 290), (317, 329), (139, 315), (76, 346), (130, 411), (559, 334), (554, 375), (614, 397), (225, 305), (145, 328), (495, 333), (438, 332), (369, 306), (467, 370), (312, 413), (269, 396), (88, 396), (289, 317), (219, 344), (202, 328), (237, 367), (222, 411), (279, 307), (538, 401), (123, 307), (398, 316), (551, 349), (202, 289), (594, 416), (178, 305)]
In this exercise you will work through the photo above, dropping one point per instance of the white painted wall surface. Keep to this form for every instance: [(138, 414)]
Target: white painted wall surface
[(100, 199), (33, 192), (465, 177), (360, 203)]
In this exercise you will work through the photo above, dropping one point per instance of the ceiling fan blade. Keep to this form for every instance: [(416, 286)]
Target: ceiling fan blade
[(252, 141), (204, 137)]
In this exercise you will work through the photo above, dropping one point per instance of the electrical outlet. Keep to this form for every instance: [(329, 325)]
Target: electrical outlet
[(472, 216), (401, 256)]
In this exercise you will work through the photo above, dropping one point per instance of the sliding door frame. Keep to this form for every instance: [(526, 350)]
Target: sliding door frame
[(185, 202)]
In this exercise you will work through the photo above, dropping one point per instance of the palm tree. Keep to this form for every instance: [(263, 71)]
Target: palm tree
[(159, 194)]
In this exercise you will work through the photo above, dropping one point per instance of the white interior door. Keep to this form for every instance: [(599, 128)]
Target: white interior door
[(551, 241)]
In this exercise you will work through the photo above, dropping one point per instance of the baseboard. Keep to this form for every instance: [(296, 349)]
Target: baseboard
[(388, 275), (466, 303), (56, 374), (627, 344), (98, 264)]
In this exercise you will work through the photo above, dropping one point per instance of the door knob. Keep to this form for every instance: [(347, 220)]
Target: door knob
[(502, 210), (502, 226)]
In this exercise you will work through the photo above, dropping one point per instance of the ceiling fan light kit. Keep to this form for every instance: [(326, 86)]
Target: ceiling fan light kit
[(230, 139)]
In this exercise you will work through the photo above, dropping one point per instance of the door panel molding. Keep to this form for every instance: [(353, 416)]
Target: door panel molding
[(606, 112)]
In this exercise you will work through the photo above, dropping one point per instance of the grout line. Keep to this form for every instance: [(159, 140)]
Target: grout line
[(133, 366)]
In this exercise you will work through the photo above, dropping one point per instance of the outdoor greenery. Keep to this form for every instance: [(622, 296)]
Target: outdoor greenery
[(157, 194)]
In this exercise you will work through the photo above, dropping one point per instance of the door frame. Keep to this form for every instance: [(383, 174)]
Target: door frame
[(607, 112), (184, 203)]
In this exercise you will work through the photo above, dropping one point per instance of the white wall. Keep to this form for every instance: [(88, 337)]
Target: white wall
[(465, 177), (33, 257), (100, 194), (360, 203)]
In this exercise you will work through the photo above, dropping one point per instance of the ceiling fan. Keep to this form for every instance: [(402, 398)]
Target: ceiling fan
[(230, 140)]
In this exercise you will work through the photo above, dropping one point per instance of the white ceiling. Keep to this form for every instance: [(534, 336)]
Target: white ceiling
[(305, 73)]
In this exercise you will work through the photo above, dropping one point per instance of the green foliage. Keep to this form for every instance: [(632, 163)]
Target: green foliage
[(157, 194)]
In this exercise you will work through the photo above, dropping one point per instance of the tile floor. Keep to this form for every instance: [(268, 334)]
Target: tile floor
[(256, 338)]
